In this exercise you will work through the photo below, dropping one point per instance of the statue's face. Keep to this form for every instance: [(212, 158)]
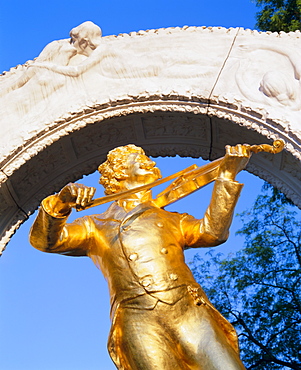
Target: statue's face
[(81, 45), (140, 170)]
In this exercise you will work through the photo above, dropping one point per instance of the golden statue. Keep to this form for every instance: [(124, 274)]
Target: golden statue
[(161, 317)]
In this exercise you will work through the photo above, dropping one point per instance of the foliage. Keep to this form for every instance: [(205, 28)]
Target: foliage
[(258, 288), (279, 15)]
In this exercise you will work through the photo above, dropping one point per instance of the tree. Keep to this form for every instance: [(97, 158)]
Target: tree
[(258, 289), (279, 15)]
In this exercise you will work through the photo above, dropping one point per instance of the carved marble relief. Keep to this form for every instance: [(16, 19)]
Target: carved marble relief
[(168, 126), (270, 75), (195, 81), (103, 137)]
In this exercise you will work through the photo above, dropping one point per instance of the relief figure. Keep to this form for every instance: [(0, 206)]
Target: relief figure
[(277, 86)]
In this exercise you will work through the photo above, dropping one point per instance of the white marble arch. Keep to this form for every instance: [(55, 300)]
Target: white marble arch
[(187, 91)]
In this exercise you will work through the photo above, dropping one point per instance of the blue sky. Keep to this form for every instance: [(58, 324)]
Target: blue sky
[(54, 311)]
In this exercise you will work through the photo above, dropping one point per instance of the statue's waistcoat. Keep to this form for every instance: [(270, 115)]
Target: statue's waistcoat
[(144, 256)]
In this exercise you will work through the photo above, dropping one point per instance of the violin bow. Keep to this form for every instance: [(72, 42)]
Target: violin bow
[(124, 194), (201, 176)]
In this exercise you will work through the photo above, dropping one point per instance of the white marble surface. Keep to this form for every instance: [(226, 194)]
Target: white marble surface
[(187, 91)]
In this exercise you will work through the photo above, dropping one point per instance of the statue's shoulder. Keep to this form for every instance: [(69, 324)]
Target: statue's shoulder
[(172, 216)]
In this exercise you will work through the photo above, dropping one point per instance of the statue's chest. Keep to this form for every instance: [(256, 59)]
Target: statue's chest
[(146, 231)]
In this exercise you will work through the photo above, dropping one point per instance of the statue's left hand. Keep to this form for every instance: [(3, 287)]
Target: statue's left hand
[(235, 160)]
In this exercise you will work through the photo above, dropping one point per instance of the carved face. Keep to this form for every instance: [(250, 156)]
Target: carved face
[(140, 170), (81, 45), (86, 37)]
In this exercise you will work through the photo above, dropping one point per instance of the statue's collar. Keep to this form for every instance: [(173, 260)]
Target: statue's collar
[(117, 211), (134, 201)]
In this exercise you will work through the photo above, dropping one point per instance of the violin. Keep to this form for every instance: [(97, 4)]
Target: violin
[(186, 182)]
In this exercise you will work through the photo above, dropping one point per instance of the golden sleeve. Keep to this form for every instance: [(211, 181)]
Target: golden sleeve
[(213, 229), (50, 232)]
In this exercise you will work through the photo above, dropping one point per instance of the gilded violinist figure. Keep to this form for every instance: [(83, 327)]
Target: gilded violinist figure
[(161, 317)]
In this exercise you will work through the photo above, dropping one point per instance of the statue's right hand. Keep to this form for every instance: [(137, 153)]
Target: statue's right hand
[(76, 195)]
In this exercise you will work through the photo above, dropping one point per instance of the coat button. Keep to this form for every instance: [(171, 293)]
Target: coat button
[(160, 224), (133, 256), (173, 277), (164, 251), (147, 282)]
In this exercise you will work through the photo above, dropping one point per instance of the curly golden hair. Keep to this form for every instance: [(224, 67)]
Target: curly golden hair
[(113, 169)]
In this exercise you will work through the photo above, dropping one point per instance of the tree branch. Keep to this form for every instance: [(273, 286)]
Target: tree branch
[(251, 337)]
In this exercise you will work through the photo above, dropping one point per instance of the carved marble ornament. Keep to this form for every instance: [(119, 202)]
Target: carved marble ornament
[(187, 91)]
